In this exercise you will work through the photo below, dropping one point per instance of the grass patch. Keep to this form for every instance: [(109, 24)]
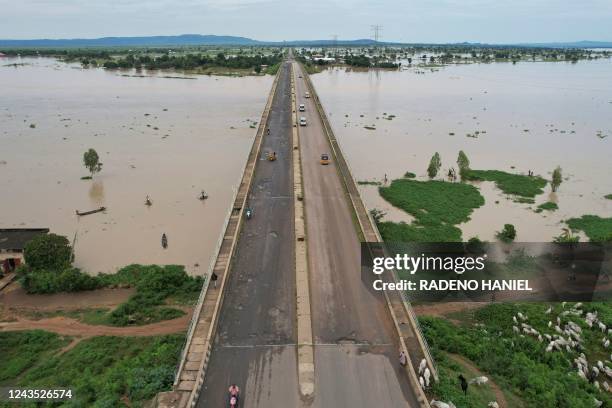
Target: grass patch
[(547, 206), (409, 175), (369, 183), (86, 178), (436, 205), (520, 364), (515, 184), (524, 200), (596, 228), (608, 196), (103, 371), (272, 69)]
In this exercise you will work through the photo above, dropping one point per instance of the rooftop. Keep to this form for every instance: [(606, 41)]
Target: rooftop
[(15, 239)]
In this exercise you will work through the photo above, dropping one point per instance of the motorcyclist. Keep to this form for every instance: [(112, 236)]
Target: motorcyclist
[(233, 395), (249, 213)]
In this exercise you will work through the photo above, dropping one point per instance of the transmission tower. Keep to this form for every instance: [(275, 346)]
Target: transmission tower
[(376, 30)]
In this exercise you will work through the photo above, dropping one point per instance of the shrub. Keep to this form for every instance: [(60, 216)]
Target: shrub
[(48, 252), (507, 234)]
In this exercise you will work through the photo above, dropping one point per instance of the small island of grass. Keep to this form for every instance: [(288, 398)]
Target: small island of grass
[(547, 206), (514, 184), (436, 205), (598, 229)]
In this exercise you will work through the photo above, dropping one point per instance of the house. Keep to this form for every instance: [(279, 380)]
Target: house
[(12, 244)]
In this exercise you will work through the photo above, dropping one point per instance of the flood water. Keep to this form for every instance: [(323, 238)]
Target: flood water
[(168, 138), (536, 116)]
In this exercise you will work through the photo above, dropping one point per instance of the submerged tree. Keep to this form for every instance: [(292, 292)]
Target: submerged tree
[(92, 161), (434, 165), (507, 234), (557, 179), (464, 163)]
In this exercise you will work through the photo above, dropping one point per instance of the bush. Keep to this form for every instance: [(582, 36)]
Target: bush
[(507, 234), (48, 252)]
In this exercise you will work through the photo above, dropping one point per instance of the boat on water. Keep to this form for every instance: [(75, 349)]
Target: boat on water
[(80, 213)]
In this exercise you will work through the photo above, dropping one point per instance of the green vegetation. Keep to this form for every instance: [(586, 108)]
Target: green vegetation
[(463, 163), (596, 228), (436, 205), (364, 61), (434, 165), (548, 206), (516, 184), (608, 196), (520, 363), (48, 270), (103, 371), (557, 179), (194, 61), (566, 237), (524, 200), (48, 251), (369, 183), (409, 175), (91, 160), (507, 234)]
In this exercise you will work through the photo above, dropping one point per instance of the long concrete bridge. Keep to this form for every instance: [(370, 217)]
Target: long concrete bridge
[(290, 320)]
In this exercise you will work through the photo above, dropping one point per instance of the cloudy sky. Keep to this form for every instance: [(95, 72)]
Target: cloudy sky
[(493, 21)]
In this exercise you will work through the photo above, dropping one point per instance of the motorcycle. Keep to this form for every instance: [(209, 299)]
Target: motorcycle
[(233, 397), (248, 213)]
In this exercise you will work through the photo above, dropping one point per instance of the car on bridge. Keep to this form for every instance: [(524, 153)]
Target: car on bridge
[(325, 159), (302, 108), (302, 121), (307, 95)]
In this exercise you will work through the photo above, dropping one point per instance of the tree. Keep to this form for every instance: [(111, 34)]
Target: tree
[(566, 237), (464, 163), (557, 179), (48, 252), (507, 234), (92, 161), (434, 165)]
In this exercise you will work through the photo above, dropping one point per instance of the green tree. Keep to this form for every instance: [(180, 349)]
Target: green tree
[(463, 162), (48, 252), (557, 179), (434, 165), (507, 234), (92, 161)]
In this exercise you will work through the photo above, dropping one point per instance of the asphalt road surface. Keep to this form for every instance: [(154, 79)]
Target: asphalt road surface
[(255, 343), (356, 354)]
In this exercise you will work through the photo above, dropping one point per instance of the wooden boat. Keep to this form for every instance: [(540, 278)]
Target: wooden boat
[(79, 213)]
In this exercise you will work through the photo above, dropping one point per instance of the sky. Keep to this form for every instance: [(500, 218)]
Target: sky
[(490, 21)]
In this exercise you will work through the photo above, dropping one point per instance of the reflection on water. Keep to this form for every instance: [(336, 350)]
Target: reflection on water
[(164, 137), (96, 193), (529, 116)]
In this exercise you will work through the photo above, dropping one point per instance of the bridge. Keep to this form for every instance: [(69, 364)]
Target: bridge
[(290, 321)]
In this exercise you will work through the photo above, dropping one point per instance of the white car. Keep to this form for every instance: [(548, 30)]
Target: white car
[(307, 95), (302, 108), (302, 121)]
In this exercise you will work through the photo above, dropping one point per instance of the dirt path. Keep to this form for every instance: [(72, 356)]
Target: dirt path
[(71, 327), (499, 394)]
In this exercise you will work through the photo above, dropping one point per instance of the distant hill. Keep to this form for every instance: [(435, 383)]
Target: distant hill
[(575, 44), (197, 39), (156, 41)]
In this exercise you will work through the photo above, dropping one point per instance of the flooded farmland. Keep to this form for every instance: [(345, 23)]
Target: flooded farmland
[(165, 136), (515, 118)]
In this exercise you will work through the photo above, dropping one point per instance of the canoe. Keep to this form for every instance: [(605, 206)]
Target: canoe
[(79, 213)]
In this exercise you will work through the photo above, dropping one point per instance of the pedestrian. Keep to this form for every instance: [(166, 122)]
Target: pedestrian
[(213, 278), (402, 358)]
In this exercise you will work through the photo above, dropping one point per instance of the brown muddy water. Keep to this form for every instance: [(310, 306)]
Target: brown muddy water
[(167, 138), (535, 115)]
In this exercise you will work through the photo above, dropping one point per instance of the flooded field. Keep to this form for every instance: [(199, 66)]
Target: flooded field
[(166, 137), (527, 116)]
